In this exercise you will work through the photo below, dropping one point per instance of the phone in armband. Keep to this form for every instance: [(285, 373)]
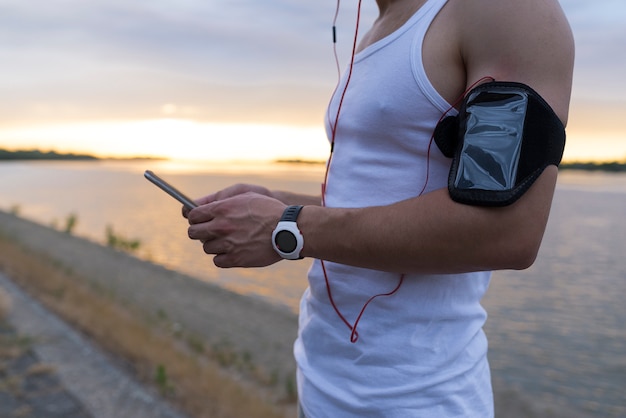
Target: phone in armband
[(169, 189)]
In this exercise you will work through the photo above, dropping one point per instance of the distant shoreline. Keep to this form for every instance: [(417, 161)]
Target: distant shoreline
[(610, 166), (38, 155)]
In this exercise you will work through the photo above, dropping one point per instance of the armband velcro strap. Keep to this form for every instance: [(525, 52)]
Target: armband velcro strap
[(503, 138)]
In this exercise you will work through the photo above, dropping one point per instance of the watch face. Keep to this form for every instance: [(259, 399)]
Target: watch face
[(286, 241)]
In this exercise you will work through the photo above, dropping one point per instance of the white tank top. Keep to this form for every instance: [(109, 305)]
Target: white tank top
[(421, 352)]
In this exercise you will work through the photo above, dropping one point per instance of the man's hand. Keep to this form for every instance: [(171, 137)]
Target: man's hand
[(230, 191), (236, 225)]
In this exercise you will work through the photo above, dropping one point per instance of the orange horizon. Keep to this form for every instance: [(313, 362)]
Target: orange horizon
[(295, 158), (595, 133)]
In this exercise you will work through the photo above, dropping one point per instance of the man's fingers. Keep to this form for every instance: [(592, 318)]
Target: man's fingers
[(201, 214), (200, 232)]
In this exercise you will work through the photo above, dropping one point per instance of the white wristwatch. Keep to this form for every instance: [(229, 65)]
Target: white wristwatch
[(286, 238)]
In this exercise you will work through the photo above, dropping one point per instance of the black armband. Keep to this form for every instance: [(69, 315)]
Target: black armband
[(503, 138)]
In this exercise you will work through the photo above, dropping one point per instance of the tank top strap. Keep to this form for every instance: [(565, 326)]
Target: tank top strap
[(429, 12)]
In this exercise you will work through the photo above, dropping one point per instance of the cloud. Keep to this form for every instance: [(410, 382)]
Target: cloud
[(70, 58), (236, 39), (600, 36), (218, 59)]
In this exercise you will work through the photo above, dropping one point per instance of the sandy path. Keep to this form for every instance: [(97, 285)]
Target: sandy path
[(252, 326), (103, 389)]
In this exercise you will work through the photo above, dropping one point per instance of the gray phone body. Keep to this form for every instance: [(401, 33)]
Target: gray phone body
[(169, 189)]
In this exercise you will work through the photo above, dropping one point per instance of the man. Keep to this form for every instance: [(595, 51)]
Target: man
[(391, 324)]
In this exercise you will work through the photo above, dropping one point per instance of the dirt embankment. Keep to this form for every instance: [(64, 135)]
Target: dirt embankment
[(231, 327)]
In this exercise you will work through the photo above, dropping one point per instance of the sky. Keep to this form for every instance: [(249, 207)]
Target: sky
[(232, 79)]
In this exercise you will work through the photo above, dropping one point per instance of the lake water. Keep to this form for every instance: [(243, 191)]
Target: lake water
[(556, 330)]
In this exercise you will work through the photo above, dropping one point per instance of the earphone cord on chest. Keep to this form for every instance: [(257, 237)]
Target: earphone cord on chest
[(354, 335)]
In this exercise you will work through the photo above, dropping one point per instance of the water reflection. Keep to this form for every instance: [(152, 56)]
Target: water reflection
[(555, 330)]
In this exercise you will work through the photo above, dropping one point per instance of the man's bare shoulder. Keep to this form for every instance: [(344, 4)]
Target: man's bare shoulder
[(511, 17), (528, 41)]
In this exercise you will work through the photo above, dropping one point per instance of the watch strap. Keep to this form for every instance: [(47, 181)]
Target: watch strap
[(291, 213)]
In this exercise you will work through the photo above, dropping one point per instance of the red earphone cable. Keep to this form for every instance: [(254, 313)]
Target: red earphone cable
[(443, 115), (354, 335), (343, 93)]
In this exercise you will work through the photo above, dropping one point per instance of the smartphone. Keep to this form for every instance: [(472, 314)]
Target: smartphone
[(169, 189)]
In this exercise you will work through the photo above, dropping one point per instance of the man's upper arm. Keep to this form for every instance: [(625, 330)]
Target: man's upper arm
[(525, 41)]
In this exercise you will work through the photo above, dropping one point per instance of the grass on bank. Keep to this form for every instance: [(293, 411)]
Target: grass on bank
[(14, 379), (191, 380)]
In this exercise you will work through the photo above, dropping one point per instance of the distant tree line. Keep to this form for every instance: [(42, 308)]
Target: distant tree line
[(613, 166), (41, 155), (34, 154)]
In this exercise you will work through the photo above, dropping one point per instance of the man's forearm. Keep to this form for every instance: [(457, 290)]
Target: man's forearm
[(290, 198)]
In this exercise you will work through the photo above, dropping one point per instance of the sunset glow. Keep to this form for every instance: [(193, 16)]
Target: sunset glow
[(175, 139), (246, 80), (181, 139)]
